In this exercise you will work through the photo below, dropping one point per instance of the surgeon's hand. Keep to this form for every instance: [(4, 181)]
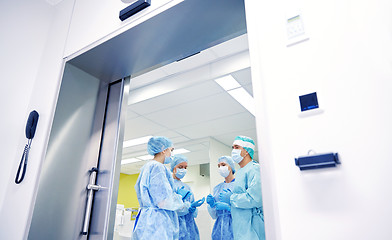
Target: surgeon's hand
[(183, 192), (192, 209), (225, 196), (222, 206), (211, 200), (198, 203)]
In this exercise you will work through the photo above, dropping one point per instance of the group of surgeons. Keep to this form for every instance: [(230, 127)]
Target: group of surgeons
[(167, 205)]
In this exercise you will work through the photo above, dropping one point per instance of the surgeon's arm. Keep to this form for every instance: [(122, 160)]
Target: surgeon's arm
[(189, 200), (251, 198), (194, 214), (161, 192), (184, 211), (211, 202), (212, 212)]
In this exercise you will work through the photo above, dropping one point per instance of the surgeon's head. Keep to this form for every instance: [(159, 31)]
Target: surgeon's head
[(179, 166), (160, 148), (243, 148), (226, 166)]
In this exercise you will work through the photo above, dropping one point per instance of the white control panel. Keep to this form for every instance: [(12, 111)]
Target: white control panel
[(295, 30), (295, 27)]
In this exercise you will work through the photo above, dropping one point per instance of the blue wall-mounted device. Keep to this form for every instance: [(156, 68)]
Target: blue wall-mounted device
[(308, 101), (134, 8), (317, 161)]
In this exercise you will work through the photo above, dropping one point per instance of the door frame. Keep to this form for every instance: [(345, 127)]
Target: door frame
[(72, 60)]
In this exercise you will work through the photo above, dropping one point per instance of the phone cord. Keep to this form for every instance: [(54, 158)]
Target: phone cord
[(23, 163)]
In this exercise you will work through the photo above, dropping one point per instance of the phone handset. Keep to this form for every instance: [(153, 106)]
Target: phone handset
[(31, 126)]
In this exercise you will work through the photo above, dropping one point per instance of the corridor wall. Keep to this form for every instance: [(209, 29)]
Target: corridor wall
[(347, 61)]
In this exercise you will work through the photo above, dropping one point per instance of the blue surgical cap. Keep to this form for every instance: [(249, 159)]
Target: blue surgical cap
[(228, 160), (158, 144), (247, 143), (177, 159)]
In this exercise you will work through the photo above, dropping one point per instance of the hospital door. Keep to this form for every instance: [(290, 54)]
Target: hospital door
[(78, 185)]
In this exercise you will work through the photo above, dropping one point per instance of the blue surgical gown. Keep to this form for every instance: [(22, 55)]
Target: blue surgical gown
[(246, 203), (186, 220), (157, 218), (223, 228)]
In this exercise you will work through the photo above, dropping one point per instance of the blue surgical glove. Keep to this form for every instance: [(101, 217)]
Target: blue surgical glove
[(225, 196), (211, 200), (222, 206), (198, 203), (183, 192), (192, 209)]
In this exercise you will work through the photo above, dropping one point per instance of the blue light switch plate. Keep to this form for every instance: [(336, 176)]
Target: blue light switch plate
[(308, 101)]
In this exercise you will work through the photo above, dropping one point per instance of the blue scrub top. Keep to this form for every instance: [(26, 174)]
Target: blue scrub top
[(157, 218), (223, 228), (246, 203)]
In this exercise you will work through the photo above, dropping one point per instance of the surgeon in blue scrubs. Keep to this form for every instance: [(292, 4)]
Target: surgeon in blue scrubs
[(221, 211), (157, 218), (245, 198), (186, 217)]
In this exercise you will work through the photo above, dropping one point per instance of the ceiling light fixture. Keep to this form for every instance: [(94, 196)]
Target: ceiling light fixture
[(227, 82), (180, 151), (129, 160), (244, 98), (237, 92), (145, 157), (136, 141)]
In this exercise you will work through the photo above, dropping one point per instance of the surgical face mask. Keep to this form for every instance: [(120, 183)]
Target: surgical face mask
[(224, 171), (236, 155), (167, 160), (180, 172)]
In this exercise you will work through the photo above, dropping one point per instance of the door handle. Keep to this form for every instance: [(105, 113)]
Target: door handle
[(95, 187), (91, 187)]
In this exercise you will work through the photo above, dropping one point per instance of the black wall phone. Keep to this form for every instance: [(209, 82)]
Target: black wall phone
[(31, 126)]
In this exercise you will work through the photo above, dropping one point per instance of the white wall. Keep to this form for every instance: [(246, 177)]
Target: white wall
[(21, 47), (348, 62), (32, 46)]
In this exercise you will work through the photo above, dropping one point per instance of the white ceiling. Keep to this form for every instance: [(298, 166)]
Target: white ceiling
[(193, 111), (53, 2)]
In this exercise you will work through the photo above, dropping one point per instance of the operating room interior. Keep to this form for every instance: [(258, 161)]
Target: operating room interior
[(202, 116)]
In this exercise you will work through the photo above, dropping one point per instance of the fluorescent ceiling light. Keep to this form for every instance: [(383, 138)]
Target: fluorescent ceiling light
[(136, 141), (180, 150), (244, 98), (237, 92), (129, 160), (145, 157), (227, 82)]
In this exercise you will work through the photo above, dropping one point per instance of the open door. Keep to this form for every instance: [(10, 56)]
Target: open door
[(82, 161)]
